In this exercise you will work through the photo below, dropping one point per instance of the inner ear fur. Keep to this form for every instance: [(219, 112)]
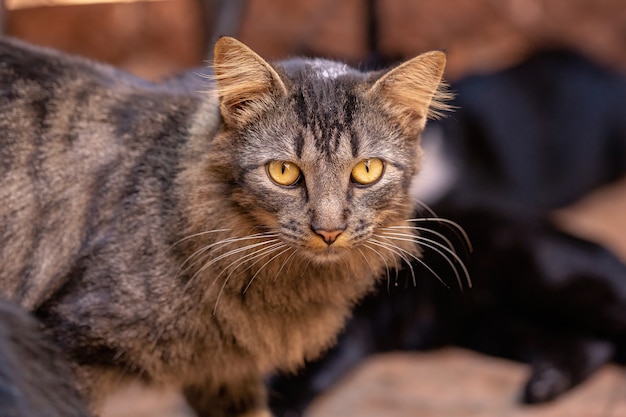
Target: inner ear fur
[(414, 91), (246, 83)]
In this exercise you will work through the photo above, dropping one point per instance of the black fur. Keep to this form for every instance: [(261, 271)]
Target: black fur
[(35, 380)]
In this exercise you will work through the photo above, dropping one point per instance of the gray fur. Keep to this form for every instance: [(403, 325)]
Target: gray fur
[(117, 193)]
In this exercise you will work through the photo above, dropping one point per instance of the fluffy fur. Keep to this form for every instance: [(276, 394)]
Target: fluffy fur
[(140, 226)]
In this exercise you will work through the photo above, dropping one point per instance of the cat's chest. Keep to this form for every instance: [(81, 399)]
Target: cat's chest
[(281, 321)]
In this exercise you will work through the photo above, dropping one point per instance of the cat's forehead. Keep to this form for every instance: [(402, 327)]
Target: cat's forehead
[(324, 69), (326, 117), (317, 70)]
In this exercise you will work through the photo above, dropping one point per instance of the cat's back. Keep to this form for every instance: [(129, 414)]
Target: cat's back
[(75, 138), (40, 85)]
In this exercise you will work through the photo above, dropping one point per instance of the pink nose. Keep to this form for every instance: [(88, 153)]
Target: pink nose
[(329, 236)]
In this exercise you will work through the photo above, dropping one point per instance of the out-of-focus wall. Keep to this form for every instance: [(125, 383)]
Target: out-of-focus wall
[(478, 35), (158, 37), (151, 39)]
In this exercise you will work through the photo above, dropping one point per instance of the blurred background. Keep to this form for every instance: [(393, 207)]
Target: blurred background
[(157, 38)]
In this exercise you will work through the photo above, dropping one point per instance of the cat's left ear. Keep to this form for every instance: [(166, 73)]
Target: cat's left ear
[(414, 91), (246, 83)]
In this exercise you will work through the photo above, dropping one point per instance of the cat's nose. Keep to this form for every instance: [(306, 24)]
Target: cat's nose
[(329, 236)]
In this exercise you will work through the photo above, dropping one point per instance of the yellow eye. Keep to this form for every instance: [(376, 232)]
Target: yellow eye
[(283, 173), (368, 171)]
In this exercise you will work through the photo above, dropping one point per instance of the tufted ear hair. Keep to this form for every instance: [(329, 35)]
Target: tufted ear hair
[(414, 91), (246, 83)]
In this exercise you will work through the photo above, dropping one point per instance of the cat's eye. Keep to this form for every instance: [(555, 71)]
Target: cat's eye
[(368, 171), (284, 173)]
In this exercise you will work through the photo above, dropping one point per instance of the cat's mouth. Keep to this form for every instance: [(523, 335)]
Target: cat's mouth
[(323, 247), (327, 250)]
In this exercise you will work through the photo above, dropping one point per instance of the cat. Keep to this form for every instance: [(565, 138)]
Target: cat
[(203, 240)]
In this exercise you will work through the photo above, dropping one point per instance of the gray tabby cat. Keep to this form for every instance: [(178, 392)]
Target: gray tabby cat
[(203, 240)]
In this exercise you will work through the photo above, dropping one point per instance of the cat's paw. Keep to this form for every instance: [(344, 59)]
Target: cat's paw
[(555, 374)]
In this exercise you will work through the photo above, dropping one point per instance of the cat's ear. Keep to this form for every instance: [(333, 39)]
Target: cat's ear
[(414, 91), (246, 83)]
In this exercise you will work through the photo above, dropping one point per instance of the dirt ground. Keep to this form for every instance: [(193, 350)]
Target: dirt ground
[(445, 383), (459, 383)]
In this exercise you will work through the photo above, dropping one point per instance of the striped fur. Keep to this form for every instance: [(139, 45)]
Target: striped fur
[(140, 226)]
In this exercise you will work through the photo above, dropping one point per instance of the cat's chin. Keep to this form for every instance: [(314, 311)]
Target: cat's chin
[(327, 255)]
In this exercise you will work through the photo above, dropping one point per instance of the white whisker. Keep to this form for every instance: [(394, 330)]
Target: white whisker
[(207, 232), (380, 255), (226, 255), (426, 207), (223, 242), (284, 264), (438, 247), (234, 252), (365, 257), (455, 226), (424, 265), (429, 242), (421, 229), (399, 253), (263, 266), (248, 257)]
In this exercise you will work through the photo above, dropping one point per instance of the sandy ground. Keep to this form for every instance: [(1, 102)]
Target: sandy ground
[(445, 383), (459, 383)]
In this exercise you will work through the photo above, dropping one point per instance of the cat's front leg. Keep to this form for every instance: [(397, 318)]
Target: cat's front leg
[(244, 398)]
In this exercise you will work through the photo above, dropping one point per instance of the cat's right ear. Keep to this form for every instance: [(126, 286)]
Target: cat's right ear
[(246, 83), (414, 91)]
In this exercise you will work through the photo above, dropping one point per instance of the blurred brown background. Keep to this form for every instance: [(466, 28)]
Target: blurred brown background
[(153, 38), (156, 38)]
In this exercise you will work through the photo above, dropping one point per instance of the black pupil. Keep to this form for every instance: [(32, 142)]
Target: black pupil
[(283, 167), (367, 166)]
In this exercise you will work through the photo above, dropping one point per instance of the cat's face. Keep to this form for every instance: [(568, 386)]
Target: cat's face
[(323, 157)]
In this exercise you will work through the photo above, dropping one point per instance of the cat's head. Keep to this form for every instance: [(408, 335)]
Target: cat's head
[(323, 154)]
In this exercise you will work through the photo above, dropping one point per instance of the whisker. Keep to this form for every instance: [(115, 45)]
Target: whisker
[(236, 251), (438, 247), (223, 242), (284, 264), (365, 257), (263, 266), (250, 256), (380, 255), (425, 266), (455, 226), (400, 254), (206, 232), (422, 229), (429, 242), (226, 255), (426, 207)]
